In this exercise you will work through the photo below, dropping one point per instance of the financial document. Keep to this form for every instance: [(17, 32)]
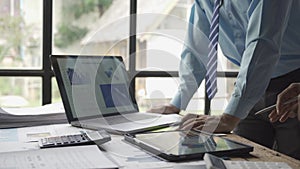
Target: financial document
[(77, 157)]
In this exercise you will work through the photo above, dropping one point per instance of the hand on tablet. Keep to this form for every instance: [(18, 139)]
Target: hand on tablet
[(211, 124)]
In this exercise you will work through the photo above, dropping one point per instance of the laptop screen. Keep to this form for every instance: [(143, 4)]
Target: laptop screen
[(93, 85)]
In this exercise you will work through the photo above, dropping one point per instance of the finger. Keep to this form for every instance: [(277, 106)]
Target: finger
[(188, 116), (287, 107), (189, 121), (191, 125), (199, 118), (273, 116), (203, 117), (286, 95), (211, 125), (274, 119), (284, 117), (199, 128), (184, 123)]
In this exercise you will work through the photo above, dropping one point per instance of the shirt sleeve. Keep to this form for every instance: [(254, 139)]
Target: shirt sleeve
[(192, 68), (267, 24)]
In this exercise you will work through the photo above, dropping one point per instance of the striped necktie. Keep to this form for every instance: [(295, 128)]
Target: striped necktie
[(211, 74)]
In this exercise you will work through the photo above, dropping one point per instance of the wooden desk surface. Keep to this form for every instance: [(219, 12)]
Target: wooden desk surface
[(261, 153)]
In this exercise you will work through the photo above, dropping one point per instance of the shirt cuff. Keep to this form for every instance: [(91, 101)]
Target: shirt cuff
[(239, 107)]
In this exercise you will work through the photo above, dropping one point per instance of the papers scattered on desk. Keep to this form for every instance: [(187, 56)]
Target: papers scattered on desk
[(46, 109), (60, 158), (32, 116)]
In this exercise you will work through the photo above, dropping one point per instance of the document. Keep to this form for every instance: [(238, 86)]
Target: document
[(77, 157), (32, 116), (38, 110)]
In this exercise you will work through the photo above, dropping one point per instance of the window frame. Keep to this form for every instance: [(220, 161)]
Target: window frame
[(47, 74)]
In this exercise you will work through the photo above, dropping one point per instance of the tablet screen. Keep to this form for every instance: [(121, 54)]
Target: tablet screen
[(182, 143)]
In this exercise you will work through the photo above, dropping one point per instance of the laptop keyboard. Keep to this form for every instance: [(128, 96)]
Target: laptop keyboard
[(129, 118)]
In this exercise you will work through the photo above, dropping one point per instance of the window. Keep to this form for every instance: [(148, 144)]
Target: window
[(95, 27), (161, 28), (148, 35), (20, 52)]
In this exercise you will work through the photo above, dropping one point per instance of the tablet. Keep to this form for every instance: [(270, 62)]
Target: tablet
[(183, 145)]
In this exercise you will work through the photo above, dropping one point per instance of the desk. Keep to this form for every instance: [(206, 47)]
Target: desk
[(116, 148), (262, 153)]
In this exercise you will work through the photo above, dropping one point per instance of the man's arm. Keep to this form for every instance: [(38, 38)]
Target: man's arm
[(267, 24), (192, 68), (194, 57)]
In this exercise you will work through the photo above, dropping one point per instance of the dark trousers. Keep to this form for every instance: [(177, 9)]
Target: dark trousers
[(283, 137)]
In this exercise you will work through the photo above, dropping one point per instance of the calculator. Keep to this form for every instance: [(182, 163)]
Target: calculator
[(85, 138)]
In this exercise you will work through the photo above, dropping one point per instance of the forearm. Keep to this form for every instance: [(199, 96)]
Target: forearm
[(192, 68), (266, 28)]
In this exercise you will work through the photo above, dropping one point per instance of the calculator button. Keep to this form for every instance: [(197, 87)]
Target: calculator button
[(50, 141), (44, 141), (71, 138), (83, 138), (65, 139), (78, 138), (58, 141)]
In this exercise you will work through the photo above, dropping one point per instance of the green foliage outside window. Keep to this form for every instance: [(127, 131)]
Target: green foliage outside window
[(68, 32), (12, 34), (87, 6)]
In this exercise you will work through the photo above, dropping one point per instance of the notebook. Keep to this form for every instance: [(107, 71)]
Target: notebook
[(96, 94)]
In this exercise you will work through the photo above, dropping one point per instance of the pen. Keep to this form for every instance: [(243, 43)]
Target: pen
[(274, 106)]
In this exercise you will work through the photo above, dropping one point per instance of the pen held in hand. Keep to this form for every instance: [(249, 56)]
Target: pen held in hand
[(267, 109)]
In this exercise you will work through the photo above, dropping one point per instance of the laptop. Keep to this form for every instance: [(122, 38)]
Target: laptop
[(96, 94)]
